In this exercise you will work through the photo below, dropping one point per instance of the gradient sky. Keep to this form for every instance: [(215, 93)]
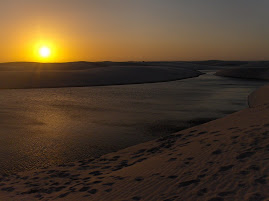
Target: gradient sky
[(123, 30)]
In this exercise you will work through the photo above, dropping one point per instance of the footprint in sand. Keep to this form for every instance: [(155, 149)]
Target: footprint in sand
[(245, 155), (172, 159), (217, 152), (225, 168), (202, 191), (92, 191), (216, 199)]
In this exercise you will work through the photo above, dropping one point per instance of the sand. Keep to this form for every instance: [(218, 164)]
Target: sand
[(261, 73), (81, 74), (25, 75), (259, 97), (243, 69), (225, 159)]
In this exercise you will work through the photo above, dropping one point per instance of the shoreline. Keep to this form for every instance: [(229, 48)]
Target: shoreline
[(25, 76), (105, 85), (204, 161)]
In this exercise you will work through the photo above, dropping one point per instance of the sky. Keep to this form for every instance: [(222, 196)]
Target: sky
[(134, 30)]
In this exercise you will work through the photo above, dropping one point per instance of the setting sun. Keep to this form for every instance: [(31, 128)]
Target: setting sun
[(44, 52)]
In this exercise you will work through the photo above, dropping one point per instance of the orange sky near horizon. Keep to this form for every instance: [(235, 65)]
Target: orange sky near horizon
[(124, 30)]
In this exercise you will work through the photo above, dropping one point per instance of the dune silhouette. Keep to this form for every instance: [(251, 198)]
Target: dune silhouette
[(80, 74)]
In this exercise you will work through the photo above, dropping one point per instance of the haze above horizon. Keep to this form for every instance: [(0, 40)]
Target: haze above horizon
[(141, 30)]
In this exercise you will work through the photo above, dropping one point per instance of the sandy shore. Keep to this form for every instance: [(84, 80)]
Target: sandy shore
[(225, 159)]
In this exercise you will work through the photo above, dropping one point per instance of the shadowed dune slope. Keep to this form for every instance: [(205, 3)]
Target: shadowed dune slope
[(79, 74), (261, 73)]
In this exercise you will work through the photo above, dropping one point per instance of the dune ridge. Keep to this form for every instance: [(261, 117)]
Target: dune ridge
[(260, 73), (82, 74), (225, 159)]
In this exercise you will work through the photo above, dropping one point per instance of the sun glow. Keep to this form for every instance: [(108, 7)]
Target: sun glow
[(44, 52)]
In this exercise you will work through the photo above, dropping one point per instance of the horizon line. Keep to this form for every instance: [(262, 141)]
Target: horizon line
[(140, 61)]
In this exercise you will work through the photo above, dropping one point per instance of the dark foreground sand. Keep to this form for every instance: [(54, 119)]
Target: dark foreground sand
[(225, 159)]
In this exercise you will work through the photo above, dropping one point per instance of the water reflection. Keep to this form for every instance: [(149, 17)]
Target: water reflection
[(41, 127)]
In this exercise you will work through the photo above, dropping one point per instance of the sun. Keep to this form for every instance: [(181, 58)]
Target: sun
[(44, 52)]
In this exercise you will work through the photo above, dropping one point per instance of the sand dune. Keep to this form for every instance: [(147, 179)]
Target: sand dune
[(18, 75), (225, 159), (261, 73), (259, 97), (231, 64), (79, 74)]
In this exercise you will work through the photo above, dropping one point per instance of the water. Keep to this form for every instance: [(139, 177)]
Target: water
[(42, 127)]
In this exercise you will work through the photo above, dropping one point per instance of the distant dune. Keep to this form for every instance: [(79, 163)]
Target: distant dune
[(79, 74), (19, 75), (261, 73)]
